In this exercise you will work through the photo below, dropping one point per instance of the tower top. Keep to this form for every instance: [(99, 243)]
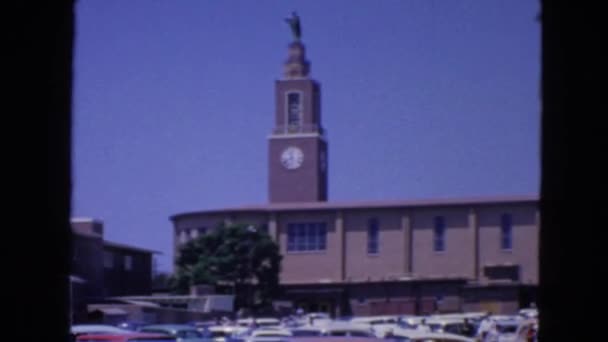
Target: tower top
[(296, 65), (294, 24)]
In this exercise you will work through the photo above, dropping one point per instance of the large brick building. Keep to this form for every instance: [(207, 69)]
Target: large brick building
[(377, 257), (102, 269)]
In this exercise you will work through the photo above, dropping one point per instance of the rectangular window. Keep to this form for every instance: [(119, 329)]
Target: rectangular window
[(439, 234), (108, 259), (291, 237), (506, 272), (373, 232), (294, 110), (306, 236), (128, 262), (506, 231)]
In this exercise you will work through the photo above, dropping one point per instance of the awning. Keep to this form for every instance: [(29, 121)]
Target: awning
[(142, 303), (76, 279), (111, 311)]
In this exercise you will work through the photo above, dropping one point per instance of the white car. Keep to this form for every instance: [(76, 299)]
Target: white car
[(414, 335), (79, 329), (452, 325), (347, 329), (267, 335), (306, 331), (380, 325), (529, 313), (513, 330), (221, 333), (259, 322)]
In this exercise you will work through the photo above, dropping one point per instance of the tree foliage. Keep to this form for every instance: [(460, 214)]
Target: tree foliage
[(241, 257)]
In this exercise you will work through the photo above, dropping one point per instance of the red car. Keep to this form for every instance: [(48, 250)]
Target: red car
[(126, 337)]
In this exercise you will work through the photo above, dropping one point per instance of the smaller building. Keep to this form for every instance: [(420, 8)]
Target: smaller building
[(102, 269)]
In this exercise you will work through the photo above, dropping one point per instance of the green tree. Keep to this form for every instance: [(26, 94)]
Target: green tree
[(240, 257)]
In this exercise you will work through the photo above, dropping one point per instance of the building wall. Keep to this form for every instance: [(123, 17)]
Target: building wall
[(119, 281), (495, 299), (87, 227), (459, 255), (310, 266), (87, 252), (391, 259), (304, 184), (525, 242)]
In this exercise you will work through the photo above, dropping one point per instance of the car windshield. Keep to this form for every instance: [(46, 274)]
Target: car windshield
[(506, 328), (189, 334), (435, 327)]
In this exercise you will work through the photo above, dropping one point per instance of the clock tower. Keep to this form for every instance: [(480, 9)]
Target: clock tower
[(297, 159)]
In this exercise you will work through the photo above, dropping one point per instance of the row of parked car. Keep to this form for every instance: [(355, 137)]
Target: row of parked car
[(318, 327)]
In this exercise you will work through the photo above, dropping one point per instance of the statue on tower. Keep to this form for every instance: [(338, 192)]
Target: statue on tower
[(294, 24)]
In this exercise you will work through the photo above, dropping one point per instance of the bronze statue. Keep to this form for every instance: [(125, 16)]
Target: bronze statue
[(294, 24)]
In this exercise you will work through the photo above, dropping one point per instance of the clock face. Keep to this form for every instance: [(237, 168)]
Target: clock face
[(292, 158)]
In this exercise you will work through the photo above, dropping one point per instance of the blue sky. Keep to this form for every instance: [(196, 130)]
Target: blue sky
[(173, 101)]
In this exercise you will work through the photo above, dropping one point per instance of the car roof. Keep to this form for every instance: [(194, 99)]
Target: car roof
[(176, 327), (96, 328), (281, 332), (373, 318), (417, 334), (333, 339), (126, 335), (444, 320)]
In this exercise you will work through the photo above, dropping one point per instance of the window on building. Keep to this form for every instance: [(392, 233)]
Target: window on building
[(439, 234), (128, 262), (183, 236), (506, 231), (306, 236), (294, 110), (373, 234), (502, 272), (108, 259)]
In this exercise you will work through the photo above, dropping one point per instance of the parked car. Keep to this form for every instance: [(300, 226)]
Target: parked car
[(268, 335), (515, 331), (87, 329), (259, 322), (182, 332), (452, 325), (132, 325), (95, 329), (306, 331), (380, 325), (347, 329), (334, 339), (126, 337), (412, 335), (223, 333)]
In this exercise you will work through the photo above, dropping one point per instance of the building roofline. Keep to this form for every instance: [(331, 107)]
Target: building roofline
[(380, 204), (418, 279), (85, 220), (129, 247)]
